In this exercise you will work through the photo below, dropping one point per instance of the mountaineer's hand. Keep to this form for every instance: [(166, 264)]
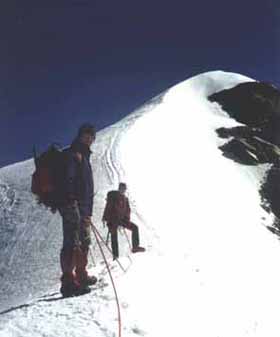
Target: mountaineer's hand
[(71, 201), (72, 204), (87, 220)]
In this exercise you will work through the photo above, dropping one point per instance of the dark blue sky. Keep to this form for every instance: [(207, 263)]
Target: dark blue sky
[(64, 62)]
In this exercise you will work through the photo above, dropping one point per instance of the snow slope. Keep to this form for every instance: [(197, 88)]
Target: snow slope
[(211, 268)]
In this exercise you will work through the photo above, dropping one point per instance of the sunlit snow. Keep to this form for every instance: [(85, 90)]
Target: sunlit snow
[(211, 266)]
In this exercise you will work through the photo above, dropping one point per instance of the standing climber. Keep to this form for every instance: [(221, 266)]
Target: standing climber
[(76, 213), (117, 213)]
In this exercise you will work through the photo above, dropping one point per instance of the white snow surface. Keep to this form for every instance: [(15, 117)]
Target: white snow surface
[(211, 267)]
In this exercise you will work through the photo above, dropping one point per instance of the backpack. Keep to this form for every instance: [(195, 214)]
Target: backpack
[(112, 197), (112, 208), (48, 177)]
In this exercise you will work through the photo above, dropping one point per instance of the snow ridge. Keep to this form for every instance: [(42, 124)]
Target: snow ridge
[(211, 267)]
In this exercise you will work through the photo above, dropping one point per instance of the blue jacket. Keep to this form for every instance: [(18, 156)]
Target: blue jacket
[(79, 177)]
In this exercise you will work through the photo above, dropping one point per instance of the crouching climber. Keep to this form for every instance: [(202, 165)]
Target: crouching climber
[(117, 213)]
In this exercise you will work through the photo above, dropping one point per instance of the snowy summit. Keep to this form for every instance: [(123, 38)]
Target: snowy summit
[(211, 267)]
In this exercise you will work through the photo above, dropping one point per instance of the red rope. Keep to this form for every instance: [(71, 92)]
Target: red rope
[(95, 231), (101, 238), (125, 233)]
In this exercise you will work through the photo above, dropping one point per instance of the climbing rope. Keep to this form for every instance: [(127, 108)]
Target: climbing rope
[(97, 237), (106, 245)]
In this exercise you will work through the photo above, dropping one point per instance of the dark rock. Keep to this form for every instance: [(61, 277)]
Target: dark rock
[(257, 106)]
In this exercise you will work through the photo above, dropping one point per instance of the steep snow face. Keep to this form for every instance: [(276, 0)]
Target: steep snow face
[(211, 267)]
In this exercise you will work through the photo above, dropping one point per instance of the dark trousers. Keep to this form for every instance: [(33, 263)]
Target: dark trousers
[(113, 228), (76, 241)]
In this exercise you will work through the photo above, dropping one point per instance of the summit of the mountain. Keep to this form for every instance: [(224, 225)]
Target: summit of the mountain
[(211, 265)]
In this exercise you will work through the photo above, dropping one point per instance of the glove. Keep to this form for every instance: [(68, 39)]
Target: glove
[(71, 200), (87, 220)]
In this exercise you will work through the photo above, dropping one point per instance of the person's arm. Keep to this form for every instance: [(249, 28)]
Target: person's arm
[(128, 210), (92, 198), (106, 212), (91, 206), (71, 178)]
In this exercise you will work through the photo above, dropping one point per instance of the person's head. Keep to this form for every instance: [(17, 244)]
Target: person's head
[(87, 134), (122, 188)]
